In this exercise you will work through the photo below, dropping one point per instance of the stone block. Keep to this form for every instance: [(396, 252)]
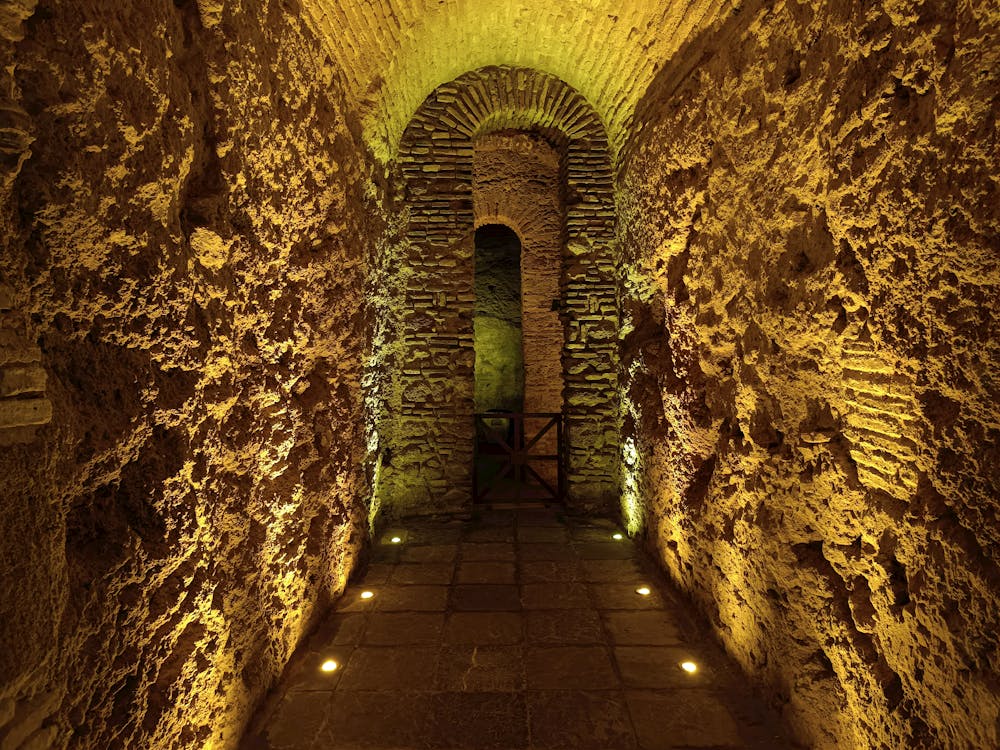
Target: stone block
[(15, 348), (17, 380), (25, 412)]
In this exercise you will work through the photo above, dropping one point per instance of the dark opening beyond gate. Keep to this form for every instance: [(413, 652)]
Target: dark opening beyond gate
[(506, 457)]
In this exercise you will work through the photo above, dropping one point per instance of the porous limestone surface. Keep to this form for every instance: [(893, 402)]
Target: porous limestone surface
[(810, 237), (183, 247)]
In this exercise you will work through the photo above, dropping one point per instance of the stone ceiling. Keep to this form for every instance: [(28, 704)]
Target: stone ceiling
[(395, 52)]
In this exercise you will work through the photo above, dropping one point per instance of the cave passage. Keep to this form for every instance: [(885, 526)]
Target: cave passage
[(498, 341), (275, 273)]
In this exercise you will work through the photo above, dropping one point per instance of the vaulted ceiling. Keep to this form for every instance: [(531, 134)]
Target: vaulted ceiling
[(394, 53)]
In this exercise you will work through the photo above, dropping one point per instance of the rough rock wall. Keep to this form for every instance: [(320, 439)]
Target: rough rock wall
[(810, 234), (184, 247)]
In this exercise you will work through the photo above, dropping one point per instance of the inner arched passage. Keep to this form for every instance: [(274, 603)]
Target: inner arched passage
[(497, 332), (521, 148)]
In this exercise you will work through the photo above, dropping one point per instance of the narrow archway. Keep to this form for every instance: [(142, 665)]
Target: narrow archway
[(477, 152), (496, 328)]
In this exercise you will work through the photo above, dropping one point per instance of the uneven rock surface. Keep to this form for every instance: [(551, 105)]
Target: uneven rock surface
[(183, 242), (810, 228)]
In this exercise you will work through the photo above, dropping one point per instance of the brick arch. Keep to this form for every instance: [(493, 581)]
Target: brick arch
[(444, 129), (572, 225)]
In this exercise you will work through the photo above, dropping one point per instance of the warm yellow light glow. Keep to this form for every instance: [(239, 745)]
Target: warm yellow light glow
[(329, 666), (367, 594), (395, 540), (617, 537), (689, 666), (643, 591)]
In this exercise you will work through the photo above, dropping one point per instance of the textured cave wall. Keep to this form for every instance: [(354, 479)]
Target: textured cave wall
[(810, 234), (183, 244)]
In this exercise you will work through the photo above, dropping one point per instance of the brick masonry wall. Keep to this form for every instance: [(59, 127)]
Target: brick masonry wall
[(430, 421)]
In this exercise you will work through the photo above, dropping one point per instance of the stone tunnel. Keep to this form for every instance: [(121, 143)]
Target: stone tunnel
[(263, 262)]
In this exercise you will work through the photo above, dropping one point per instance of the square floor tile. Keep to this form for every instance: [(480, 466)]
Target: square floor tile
[(612, 571), (555, 596), (352, 601), (478, 721), (358, 721), (625, 596), (339, 629), (580, 720), (658, 667), (541, 517), (297, 720), (413, 598), (436, 534), (496, 551), (682, 718), (386, 537), (484, 628), (485, 572), (305, 673), (423, 573), (609, 550), (542, 534), (390, 668), (386, 554), (568, 667), (431, 553), (564, 626), (642, 628), (489, 534), (485, 597), (550, 571), (545, 552), (404, 628), (598, 534), (481, 669), (377, 573)]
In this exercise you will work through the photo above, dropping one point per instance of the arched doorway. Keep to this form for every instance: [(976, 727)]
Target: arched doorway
[(496, 328), (515, 147)]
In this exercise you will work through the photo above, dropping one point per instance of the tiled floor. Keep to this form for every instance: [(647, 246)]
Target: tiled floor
[(516, 630)]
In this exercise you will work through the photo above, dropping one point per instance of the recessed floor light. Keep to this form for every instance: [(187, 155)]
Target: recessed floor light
[(367, 594), (643, 591), (395, 540), (617, 537), (689, 666), (329, 666)]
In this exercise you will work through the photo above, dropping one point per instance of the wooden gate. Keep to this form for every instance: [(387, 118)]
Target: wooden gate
[(505, 469)]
